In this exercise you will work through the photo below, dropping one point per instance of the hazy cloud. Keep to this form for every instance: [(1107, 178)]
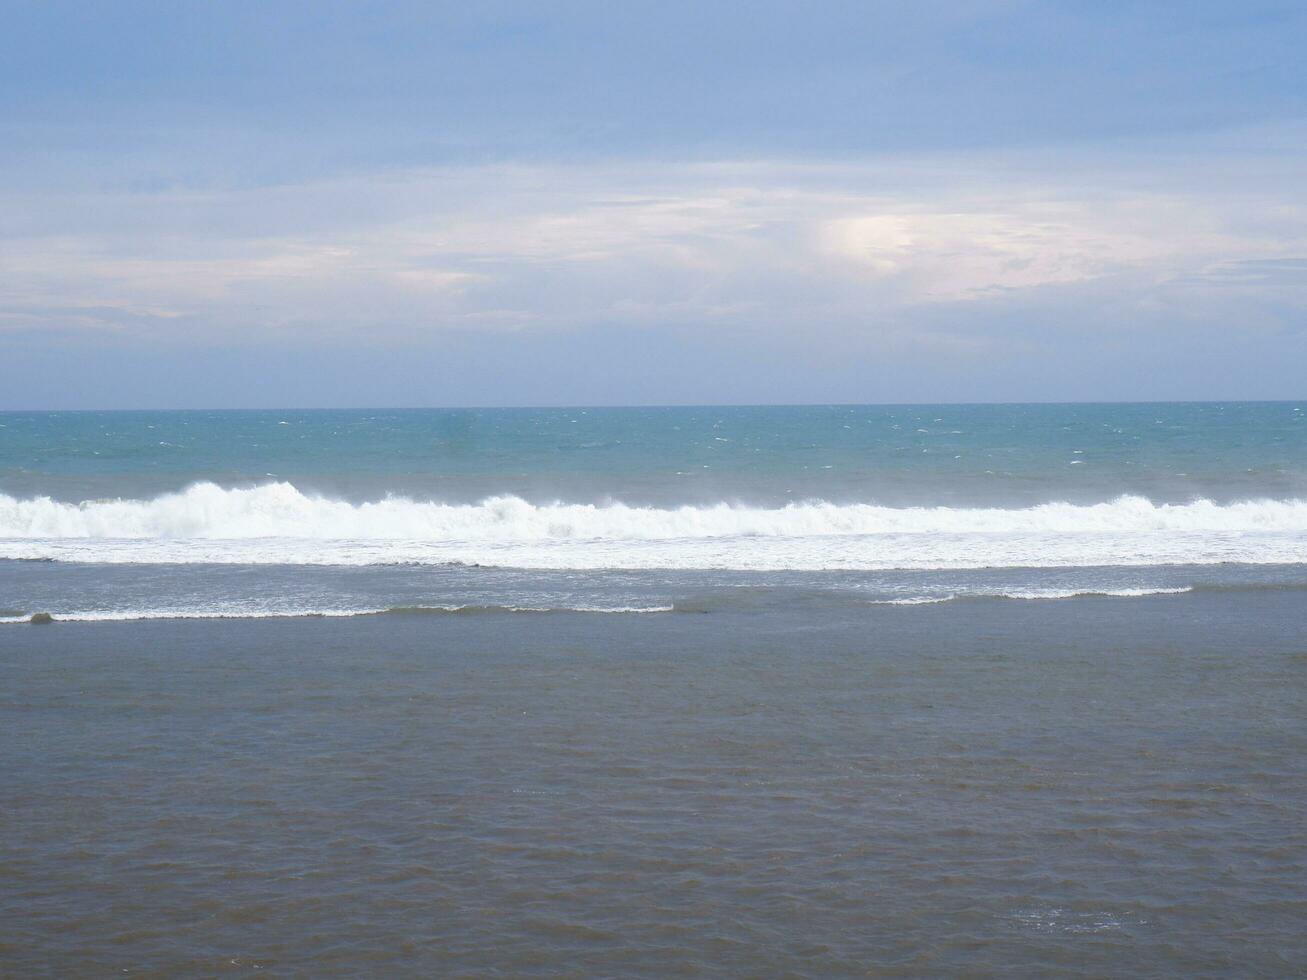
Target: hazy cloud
[(840, 201)]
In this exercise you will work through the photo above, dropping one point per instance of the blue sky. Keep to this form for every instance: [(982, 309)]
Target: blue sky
[(246, 204)]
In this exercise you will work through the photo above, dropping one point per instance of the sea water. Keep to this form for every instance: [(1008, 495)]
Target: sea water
[(983, 690), (259, 513)]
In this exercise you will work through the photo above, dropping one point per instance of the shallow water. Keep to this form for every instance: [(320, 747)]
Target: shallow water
[(1087, 786)]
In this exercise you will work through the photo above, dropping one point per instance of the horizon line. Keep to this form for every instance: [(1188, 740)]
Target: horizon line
[(666, 405)]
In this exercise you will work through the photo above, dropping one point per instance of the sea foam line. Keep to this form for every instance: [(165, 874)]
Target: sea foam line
[(1036, 594), (1107, 593), (278, 524), (136, 615), (280, 510)]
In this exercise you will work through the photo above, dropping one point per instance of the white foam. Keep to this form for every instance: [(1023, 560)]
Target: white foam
[(128, 615), (244, 612), (1038, 594), (277, 524), (913, 600), (599, 609), (1109, 593)]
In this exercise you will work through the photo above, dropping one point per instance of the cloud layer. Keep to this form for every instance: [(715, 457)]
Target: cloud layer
[(771, 202)]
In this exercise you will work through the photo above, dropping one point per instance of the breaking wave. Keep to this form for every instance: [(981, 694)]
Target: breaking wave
[(278, 523), (208, 511)]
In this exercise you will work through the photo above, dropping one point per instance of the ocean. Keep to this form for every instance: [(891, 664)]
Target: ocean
[(807, 691)]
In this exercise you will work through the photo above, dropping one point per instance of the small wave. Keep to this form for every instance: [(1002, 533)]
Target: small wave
[(487, 609), (914, 600), (1079, 593), (136, 615), (1035, 594), (132, 615)]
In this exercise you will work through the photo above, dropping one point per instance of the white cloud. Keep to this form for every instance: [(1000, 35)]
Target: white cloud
[(751, 245)]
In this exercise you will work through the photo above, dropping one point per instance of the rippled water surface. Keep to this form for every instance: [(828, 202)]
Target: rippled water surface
[(895, 455), (1091, 786), (918, 690)]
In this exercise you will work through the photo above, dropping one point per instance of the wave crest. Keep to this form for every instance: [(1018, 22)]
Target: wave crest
[(276, 522), (280, 510)]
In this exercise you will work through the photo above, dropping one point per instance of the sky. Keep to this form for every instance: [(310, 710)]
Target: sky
[(348, 204)]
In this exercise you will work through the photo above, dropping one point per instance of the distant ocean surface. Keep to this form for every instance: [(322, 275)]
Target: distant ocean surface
[(823, 691)]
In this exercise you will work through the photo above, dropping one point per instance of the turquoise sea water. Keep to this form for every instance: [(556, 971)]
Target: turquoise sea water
[(1001, 455)]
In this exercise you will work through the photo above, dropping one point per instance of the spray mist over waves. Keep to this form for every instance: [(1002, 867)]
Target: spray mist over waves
[(276, 522)]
